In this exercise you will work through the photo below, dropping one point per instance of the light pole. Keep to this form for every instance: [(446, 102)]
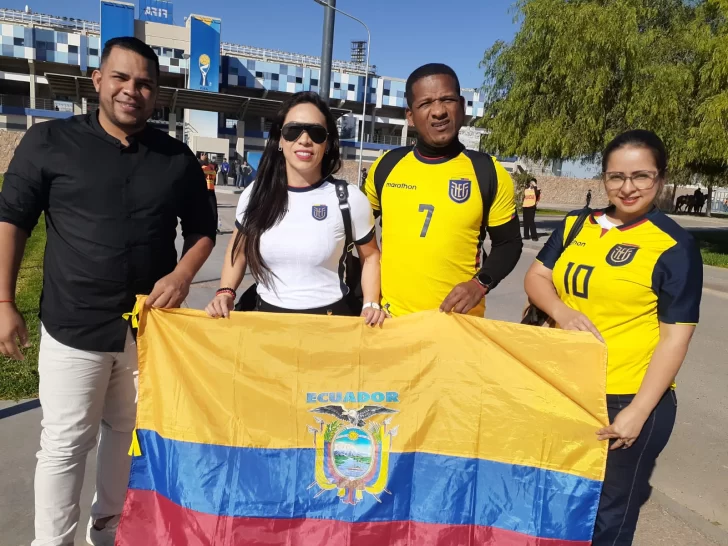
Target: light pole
[(366, 80)]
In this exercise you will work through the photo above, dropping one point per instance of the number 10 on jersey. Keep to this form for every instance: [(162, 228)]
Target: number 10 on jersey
[(429, 209)]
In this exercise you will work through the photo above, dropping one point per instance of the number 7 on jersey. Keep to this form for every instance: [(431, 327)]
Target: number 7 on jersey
[(430, 209)]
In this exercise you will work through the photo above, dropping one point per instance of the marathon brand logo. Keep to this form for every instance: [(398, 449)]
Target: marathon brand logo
[(319, 212), (622, 255), (460, 190), (400, 186)]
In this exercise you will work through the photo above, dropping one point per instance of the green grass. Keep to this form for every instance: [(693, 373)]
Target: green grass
[(20, 379), (552, 212), (713, 247)]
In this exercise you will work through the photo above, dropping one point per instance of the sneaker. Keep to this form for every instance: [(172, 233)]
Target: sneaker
[(105, 536)]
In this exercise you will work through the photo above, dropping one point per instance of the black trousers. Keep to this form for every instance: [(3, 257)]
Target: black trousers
[(627, 481), (339, 308), (529, 223)]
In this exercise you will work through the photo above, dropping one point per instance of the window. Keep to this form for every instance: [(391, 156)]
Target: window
[(470, 103), (314, 82), (72, 49), (93, 52), (157, 50), (274, 77), (234, 70), (167, 52), (299, 80), (352, 87), (179, 54), (19, 41), (258, 74), (337, 85), (386, 92)]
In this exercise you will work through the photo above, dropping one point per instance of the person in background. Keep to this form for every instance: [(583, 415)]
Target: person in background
[(634, 279), (437, 200), (208, 169), (111, 229), (531, 197), (363, 178), (237, 166), (291, 231), (247, 170), (588, 198), (225, 169)]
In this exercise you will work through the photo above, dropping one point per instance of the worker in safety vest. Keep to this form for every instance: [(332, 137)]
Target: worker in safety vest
[(210, 176), (531, 197)]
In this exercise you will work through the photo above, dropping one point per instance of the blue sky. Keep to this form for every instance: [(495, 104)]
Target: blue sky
[(405, 33)]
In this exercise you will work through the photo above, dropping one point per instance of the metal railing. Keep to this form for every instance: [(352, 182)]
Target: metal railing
[(16, 16), (392, 140), (294, 58), (20, 101)]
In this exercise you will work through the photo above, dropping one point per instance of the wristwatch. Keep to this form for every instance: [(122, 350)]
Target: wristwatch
[(485, 280), (372, 305)]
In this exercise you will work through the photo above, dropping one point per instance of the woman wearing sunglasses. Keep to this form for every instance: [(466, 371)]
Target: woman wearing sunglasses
[(291, 232), (633, 278)]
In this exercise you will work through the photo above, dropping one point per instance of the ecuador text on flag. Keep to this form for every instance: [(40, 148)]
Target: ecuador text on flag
[(308, 430)]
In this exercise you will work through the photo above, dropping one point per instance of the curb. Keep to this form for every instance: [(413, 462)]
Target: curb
[(712, 530)]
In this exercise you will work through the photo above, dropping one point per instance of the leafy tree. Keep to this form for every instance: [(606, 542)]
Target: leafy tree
[(579, 72)]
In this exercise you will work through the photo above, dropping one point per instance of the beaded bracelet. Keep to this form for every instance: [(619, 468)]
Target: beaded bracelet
[(229, 291)]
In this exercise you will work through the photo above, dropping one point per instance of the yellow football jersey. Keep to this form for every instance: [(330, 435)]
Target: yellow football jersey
[(433, 219), (627, 280)]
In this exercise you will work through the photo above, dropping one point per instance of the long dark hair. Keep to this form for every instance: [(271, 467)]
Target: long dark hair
[(269, 198), (639, 138)]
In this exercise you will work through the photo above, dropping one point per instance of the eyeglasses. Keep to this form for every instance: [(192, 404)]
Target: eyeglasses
[(293, 131), (642, 180)]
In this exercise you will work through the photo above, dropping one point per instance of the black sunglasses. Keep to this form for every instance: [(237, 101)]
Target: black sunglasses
[(293, 131)]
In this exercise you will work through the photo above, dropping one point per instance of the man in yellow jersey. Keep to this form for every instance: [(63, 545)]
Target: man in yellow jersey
[(436, 201)]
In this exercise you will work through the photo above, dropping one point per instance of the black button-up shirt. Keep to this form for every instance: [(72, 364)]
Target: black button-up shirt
[(111, 220)]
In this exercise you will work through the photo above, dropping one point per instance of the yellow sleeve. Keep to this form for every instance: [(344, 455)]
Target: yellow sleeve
[(504, 204), (370, 189)]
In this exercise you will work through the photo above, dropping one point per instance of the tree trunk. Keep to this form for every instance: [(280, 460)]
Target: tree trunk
[(709, 200), (674, 194)]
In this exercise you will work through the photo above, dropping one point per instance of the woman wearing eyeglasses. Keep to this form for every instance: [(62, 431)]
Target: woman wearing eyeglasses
[(633, 278), (291, 232)]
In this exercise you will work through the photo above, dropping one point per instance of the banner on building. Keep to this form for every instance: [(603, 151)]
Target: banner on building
[(117, 20), (301, 430), (204, 53), (156, 11)]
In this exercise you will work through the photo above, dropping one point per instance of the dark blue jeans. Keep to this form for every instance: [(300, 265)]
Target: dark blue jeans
[(627, 480)]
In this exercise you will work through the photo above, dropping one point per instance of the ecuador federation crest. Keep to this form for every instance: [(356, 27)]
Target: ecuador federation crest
[(621, 255), (319, 212), (460, 190), (352, 451)]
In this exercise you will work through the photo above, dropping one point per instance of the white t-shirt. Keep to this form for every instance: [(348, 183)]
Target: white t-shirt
[(306, 250)]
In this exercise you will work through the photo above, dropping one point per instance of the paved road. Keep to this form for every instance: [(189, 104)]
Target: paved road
[(689, 508)]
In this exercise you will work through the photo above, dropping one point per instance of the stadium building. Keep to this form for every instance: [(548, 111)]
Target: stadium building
[(218, 97)]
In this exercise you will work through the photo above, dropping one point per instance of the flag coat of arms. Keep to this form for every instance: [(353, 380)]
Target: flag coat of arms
[(311, 430)]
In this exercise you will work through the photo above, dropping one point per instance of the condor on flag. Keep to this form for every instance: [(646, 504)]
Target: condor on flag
[(306, 430)]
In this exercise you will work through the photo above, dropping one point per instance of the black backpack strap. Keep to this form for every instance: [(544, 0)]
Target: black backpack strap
[(342, 192), (487, 179), (385, 167), (578, 224)]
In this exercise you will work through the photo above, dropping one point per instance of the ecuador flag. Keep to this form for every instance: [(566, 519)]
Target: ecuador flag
[(309, 430)]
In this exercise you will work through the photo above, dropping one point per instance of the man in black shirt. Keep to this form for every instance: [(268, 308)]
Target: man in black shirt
[(112, 190)]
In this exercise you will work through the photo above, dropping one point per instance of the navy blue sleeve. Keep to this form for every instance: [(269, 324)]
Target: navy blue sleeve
[(678, 282), (553, 248)]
